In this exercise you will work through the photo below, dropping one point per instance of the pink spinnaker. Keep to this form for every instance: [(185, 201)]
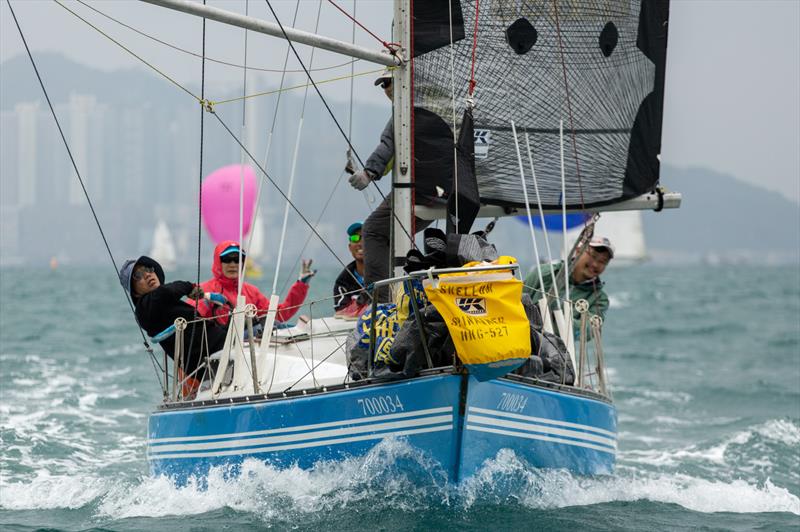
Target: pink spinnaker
[(220, 202)]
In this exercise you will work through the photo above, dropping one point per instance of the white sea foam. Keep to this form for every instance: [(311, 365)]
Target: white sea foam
[(381, 479), (269, 492), (557, 489), (47, 492)]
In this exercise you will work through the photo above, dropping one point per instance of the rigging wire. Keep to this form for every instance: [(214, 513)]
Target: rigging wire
[(388, 45), (85, 191), (472, 81), (453, 104), (274, 184), (208, 106), (112, 39), (240, 266), (330, 112), (200, 174), (209, 59), (293, 170), (569, 108), (272, 126), (294, 87)]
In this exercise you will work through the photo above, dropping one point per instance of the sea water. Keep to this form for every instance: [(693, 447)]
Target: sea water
[(704, 366)]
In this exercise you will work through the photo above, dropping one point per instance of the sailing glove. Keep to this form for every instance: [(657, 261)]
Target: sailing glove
[(361, 179), (306, 273), (196, 293), (216, 298)]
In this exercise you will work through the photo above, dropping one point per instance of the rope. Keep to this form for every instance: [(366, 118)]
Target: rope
[(189, 52), (83, 187), (272, 127), (277, 91), (240, 265), (330, 112), (293, 171), (389, 46), (200, 174), (272, 181), (453, 106), (107, 36), (569, 107), (472, 81)]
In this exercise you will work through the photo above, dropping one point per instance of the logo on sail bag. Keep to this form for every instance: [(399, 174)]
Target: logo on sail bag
[(474, 306), (485, 318)]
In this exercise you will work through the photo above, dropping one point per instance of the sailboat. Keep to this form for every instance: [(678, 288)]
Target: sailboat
[(568, 81), (256, 250), (625, 230), (163, 248)]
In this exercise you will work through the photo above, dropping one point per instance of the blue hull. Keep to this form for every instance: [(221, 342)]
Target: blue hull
[(458, 422)]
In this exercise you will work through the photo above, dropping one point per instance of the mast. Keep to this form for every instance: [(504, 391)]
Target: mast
[(402, 198), (269, 28)]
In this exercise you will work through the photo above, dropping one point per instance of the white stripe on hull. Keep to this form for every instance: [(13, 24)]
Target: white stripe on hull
[(303, 436), (532, 419), (541, 437), (584, 436), (303, 445), (353, 421)]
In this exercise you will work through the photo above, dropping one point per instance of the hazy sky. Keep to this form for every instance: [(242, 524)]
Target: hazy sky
[(733, 75)]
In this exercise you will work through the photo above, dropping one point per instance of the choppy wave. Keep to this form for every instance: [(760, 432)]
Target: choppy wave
[(393, 477), (543, 489)]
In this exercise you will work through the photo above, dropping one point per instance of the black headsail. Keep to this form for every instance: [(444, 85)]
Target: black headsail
[(434, 153), (598, 66)]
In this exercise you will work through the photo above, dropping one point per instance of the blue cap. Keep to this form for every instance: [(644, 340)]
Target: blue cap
[(231, 249), (354, 228)]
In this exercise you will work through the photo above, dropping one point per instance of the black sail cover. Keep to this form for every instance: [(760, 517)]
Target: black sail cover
[(598, 66)]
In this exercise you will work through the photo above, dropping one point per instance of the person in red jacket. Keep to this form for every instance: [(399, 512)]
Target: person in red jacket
[(226, 281)]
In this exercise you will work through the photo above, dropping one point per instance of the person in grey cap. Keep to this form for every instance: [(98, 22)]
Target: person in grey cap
[(584, 283), (159, 304), (377, 226)]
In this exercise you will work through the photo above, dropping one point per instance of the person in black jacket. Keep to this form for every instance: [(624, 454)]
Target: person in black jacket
[(349, 296), (159, 304)]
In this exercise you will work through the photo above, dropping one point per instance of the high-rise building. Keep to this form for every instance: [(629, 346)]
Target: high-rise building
[(86, 138), (27, 121)]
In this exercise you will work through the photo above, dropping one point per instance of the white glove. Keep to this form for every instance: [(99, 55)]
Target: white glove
[(360, 180)]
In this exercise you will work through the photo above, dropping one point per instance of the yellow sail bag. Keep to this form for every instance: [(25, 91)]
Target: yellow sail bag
[(486, 320)]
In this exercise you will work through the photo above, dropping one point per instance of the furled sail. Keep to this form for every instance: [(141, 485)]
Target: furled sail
[(598, 66)]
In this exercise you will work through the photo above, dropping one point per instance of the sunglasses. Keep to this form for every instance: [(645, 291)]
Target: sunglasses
[(230, 258), (386, 83), (139, 274), (355, 239)]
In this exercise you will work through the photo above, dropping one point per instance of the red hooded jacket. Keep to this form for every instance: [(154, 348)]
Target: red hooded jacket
[(228, 287)]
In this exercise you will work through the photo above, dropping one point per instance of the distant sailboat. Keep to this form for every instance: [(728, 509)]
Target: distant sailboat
[(624, 229), (256, 251), (163, 249)]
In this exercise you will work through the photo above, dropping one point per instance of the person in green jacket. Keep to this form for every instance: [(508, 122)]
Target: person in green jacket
[(584, 283)]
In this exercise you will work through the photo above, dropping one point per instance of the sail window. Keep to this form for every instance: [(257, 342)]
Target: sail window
[(521, 36), (608, 39)]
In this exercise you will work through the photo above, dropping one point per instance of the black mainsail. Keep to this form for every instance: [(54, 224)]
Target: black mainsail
[(598, 66)]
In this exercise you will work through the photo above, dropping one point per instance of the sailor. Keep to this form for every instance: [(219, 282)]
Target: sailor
[(429, 190), (225, 269), (159, 304), (584, 283), (349, 297)]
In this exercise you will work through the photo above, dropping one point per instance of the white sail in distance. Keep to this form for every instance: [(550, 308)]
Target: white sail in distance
[(163, 249)]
